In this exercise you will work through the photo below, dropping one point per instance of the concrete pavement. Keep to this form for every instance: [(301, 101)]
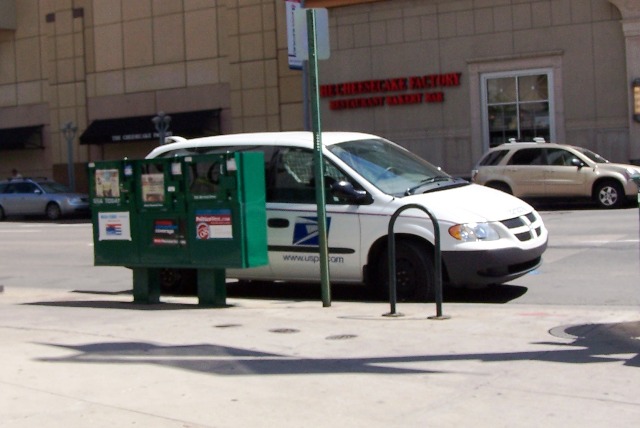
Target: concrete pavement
[(92, 359)]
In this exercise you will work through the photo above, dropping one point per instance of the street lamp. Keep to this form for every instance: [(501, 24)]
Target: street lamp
[(161, 122), (69, 132)]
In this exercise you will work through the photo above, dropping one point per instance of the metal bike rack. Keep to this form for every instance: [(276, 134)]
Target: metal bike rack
[(437, 262)]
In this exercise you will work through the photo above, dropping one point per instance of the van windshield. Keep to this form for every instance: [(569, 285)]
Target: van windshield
[(391, 168)]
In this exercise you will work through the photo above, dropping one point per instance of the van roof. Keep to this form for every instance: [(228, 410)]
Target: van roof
[(293, 138)]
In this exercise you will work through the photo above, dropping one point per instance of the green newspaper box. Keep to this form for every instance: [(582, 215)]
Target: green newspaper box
[(204, 212)]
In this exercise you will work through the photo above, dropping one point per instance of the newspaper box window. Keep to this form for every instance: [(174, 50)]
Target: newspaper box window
[(152, 185), (112, 226)]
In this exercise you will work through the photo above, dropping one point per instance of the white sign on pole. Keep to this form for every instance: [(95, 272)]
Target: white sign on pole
[(291, 7), (322, 34)]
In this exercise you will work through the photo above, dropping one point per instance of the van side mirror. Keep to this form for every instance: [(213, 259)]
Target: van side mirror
[(345, 190)]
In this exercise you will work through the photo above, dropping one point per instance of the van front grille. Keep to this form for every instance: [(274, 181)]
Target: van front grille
[(525, 227)]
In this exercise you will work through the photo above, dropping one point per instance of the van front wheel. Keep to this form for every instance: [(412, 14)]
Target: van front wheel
[(414, 272)]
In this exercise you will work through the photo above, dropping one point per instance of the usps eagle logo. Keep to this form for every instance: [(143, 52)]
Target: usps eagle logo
[(307, 232)]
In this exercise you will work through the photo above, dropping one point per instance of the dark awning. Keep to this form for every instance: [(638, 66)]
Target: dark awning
[(189, 125), (28, 137)]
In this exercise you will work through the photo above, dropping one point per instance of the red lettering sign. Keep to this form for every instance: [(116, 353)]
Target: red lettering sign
[(403, 91)]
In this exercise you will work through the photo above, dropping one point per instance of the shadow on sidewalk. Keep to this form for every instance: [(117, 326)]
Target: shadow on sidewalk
[(590, 343), (493, 294)]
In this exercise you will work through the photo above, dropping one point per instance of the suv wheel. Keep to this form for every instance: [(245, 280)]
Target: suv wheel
[(1, 214), (53, 211), (609, 194)]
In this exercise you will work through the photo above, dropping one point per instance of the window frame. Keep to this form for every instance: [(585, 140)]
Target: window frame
[(484, 98)]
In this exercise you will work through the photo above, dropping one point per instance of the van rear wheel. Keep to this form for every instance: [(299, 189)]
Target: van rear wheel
[(414, 272)]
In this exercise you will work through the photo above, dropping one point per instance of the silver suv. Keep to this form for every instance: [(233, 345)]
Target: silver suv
[(26, 196), (546, 170)]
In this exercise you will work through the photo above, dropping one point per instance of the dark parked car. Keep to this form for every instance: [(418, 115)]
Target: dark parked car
[(43, 197)]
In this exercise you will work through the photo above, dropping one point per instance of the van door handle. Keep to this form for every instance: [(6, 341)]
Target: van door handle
[(279, 223)]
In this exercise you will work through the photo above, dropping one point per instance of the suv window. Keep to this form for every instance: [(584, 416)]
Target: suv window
[(532, 156), (559, 157), (493, 158)]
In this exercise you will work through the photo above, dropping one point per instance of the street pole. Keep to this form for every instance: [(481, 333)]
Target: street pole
[(69, 133), (161, 123), (318, 161)]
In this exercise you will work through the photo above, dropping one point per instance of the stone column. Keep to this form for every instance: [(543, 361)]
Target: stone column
[(630, 10)]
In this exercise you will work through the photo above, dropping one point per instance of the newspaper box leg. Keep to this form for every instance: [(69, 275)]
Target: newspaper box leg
[(212, 289), (146, 285)]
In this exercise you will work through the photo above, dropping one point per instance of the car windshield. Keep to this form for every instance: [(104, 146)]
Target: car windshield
[(593, 156), (390, 168), (53, 187)]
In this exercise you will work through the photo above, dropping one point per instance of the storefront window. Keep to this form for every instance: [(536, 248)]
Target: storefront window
[(517, 105)]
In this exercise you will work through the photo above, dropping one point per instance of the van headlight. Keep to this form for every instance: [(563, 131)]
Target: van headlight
[(471, 232)]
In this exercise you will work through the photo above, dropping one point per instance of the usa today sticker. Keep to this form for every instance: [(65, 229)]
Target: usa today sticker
[(114, 226)]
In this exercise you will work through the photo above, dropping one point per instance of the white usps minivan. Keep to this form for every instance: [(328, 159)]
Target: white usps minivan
[(487, 236)]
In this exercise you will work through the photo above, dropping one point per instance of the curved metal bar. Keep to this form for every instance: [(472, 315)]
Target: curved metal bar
[(437, 258)]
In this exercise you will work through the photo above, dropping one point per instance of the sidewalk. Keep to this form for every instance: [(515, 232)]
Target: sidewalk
[(81, 359)]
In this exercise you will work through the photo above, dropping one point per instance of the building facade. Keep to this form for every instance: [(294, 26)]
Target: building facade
[(446, 79)]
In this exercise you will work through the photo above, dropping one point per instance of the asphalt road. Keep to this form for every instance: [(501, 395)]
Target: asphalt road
[(593, 258)]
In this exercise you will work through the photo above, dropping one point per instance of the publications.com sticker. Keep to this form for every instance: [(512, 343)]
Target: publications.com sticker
[(214, 224)]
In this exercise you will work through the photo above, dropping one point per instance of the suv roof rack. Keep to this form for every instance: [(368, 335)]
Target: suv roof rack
[(535, 140)]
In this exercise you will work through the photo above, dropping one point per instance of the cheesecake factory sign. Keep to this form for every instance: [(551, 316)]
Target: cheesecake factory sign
[(389, 92)]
